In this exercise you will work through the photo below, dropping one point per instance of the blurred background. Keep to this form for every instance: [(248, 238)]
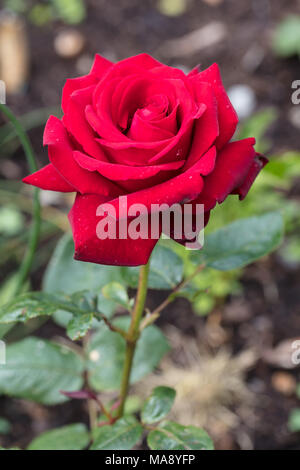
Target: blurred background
[(231, 357)]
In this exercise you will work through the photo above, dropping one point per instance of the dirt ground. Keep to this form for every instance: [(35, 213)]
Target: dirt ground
[(126, 27)]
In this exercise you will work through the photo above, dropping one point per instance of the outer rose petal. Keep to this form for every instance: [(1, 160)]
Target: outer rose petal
[(258, 163), (88, 247), (48, 178), (228, 118), (126, 66), (75, 122), (99, 68), (232, 167), (61, 156)]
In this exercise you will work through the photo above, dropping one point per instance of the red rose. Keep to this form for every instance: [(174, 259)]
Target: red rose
[(146, 130)]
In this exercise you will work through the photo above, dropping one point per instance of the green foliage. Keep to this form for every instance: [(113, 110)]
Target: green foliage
[(72, 437), (37, 370), (166, 270), (174, 436), (158, 405), (63, 272), (286, 41), (117, 293), (81, 306), (212, 287), (241, 242), (269, 193), (123, 435), (107, 351), (34, 304), (79, 325)]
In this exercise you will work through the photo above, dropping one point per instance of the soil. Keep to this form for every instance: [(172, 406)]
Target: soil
[(127, 27)]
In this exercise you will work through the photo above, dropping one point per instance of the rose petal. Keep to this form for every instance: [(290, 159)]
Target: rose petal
[(232, 167), (49, 179), (148, 153), (257, 165), (130, 178), (183, 188), (206, 128), (75, 84), (146, 131), (61, 156), (99, 68), (88, 247), (116, 172), (228, 118), (76, 123)]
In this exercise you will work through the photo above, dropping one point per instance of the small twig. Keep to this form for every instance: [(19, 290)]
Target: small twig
[(152, 317), (110, 325)]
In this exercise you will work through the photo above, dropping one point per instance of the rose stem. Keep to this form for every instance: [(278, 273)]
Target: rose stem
[(133, 335), (35, 231)]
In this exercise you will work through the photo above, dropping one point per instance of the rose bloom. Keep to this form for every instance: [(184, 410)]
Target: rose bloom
[(147, 131)]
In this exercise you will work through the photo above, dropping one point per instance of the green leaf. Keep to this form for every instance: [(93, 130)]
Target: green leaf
[(116, 292), (158, 405), (174, 436), (287, 37), (32, 305), (241, 242), (63, 272), (294, 420), (107, 354), (166, 270), (72, 437), (79, 326), (123, 435), (37, 370)]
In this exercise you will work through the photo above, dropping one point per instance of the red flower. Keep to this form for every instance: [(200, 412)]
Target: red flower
[(142, 129)]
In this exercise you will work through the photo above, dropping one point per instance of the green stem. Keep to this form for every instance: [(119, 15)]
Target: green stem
[(26, 264), (133, 335)]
